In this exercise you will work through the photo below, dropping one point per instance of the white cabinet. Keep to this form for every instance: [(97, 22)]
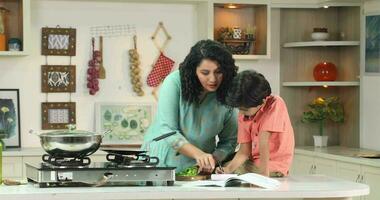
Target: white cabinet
[(350, 172), (371, 177), (355, 171), (302, 165), (325, 166), (12, 167), (305, 164)]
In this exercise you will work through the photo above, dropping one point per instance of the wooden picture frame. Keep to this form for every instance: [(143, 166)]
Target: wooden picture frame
[(58, 78), (10, 131), (58, 41), (128, 121), (57, 115)]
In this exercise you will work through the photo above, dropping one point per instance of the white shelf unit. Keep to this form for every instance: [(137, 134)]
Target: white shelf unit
[(298, 60), (254, 13), (13, 53), (251, 57), (321, 83), (322, 43), (20, 28)]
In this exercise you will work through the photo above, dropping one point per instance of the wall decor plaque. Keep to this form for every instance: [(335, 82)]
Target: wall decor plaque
[(58, 41), (58, 78), (57, 115)]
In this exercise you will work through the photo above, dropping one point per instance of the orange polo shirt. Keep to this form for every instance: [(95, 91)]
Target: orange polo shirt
[(273, 118)]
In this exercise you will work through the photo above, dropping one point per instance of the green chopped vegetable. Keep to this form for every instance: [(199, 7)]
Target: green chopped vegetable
[(190, 171)]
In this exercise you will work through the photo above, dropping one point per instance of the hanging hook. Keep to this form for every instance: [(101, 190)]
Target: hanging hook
[(93, 43), (135, 41)]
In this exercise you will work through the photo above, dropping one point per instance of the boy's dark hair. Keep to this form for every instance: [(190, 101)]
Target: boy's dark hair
[(248, 89), (212, 50)]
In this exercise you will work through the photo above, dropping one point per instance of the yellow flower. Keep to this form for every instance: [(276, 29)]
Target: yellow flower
[(10, 120), (4, 109), (319, 101)]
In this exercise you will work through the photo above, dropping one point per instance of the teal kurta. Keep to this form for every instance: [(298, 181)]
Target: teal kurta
[(198, 124)]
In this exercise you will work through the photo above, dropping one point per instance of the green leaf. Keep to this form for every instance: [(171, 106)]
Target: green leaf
[(108, 115), (124, 123)]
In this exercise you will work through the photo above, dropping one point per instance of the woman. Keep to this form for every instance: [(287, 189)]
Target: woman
[(192, 103)]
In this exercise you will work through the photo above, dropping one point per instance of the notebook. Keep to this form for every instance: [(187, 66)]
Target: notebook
[(227, 180)]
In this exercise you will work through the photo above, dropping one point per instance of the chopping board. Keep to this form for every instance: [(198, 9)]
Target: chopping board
[(193, 178)]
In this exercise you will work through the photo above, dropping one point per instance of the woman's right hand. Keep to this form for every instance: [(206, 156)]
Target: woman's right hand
[(205, 162)]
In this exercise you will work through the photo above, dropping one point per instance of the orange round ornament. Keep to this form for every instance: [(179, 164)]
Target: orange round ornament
[(325, 71)]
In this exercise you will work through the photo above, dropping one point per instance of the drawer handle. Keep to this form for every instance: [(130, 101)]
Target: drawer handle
[(358, 178)]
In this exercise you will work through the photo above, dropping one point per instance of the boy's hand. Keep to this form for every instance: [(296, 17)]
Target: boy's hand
[(224, 170)]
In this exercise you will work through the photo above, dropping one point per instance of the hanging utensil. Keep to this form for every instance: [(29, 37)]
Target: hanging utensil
[(102, 70)]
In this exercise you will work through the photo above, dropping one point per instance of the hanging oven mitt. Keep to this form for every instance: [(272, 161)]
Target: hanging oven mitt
[(160, 70)]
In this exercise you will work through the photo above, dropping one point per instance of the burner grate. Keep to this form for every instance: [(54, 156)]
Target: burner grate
[(137, 160), (72, 162)]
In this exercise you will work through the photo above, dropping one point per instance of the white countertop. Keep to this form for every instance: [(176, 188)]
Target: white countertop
[(312, 186), (344, 154)]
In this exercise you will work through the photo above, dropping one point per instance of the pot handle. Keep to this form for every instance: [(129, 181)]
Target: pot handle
[(106, 132), (33, 132)]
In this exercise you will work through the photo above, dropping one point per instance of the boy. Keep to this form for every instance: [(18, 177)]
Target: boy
[(265, 133)]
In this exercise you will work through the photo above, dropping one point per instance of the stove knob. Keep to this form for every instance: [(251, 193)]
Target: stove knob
[(108, 174)]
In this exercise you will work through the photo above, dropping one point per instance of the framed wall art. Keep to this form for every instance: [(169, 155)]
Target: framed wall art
[(57, 115), (58, 41), (10, 117), (128, 122), (372, 44), (58, 78)]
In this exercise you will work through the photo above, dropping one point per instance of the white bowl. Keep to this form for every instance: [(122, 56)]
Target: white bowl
[(319, 36)]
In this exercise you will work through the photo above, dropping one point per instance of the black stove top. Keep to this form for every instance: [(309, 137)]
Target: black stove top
[(43, 166)]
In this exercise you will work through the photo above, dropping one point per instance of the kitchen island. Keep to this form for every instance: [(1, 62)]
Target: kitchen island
[(297, 187)]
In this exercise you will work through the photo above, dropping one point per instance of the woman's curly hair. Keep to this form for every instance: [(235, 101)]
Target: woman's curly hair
[(214, 51)]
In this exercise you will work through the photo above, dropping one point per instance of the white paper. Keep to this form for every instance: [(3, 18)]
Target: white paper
[(252, 178)]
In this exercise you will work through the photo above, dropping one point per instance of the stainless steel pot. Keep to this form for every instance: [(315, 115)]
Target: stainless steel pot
[(71, 143)]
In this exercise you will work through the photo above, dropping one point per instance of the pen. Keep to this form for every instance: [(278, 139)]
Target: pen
[(220, 166)]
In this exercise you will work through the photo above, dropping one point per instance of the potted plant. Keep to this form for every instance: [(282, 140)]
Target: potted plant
[(320, 111)]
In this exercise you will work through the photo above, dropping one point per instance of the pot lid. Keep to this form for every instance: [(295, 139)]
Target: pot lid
[(71, 131)]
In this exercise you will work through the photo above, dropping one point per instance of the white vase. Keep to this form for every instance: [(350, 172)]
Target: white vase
[(320, 141), (319, 36)]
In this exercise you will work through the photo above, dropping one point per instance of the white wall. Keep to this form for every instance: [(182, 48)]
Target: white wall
[(370, 135), (180, 19)]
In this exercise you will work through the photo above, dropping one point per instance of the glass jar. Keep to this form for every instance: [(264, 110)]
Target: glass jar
[(14, 44)]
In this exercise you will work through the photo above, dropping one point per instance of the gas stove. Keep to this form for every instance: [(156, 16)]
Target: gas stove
[(122, 169)]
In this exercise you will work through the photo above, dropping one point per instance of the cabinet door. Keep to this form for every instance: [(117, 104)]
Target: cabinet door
[(325, 166), (302, 165), (12, 167), (349, 172), (371, 177)]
